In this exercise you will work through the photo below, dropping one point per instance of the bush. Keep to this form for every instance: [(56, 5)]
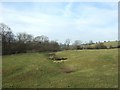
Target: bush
[(118, 46), (110, 46), (100, 46), (78, 47), (89, 47)]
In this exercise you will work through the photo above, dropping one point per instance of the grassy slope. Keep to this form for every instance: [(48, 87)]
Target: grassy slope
[(111, 43), (87, 68)]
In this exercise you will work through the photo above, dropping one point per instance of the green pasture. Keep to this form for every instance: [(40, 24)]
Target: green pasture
[(82, 69)]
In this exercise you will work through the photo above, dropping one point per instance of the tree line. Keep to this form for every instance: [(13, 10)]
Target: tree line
[(23, 43)]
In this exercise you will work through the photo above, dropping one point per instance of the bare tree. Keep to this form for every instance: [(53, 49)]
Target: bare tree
[(91, 42), (41, 39), (24, 37), (67, 43), (77, 44), (23, 42), (7, 38)]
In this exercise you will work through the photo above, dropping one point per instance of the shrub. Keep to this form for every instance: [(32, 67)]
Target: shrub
[(110, 46), (78, 47), (89, 47), (118, 46), (100, 46)]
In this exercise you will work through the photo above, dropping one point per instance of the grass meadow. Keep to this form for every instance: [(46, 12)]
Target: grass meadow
[(82, 69), (110, 43)]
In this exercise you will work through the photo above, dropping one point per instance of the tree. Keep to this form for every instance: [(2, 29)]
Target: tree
[(91, 42), (24, 37), (23, 42), (37, 39), (77, 44), (54, 46), (67, 43), (41, 43), (41, 39), (7, 39)]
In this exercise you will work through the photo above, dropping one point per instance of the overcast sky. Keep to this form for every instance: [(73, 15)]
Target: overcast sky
[(61, 20)]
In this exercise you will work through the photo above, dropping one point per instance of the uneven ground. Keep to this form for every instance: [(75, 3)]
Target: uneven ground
[(82, 69)]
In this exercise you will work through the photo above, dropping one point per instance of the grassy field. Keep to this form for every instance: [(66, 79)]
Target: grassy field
[(82, 69), (108, 44)]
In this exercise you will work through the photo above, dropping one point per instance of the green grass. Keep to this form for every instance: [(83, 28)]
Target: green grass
[(82, 69), (108, 44)]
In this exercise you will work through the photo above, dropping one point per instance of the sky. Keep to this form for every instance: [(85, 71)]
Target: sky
[(97, 21)]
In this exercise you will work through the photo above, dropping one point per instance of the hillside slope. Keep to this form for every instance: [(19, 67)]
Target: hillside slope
[(109, 44), (83, 68)]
